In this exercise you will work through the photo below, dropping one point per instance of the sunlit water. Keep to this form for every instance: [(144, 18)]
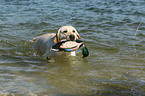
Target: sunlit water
[(115, 66)]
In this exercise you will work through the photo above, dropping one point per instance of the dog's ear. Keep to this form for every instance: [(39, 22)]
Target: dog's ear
[(79, 37), (57, 37)]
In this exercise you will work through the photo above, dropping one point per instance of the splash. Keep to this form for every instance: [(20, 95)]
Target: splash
[(134, 38)]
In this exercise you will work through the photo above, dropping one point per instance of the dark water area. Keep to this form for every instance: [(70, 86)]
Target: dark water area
[(115, 66)]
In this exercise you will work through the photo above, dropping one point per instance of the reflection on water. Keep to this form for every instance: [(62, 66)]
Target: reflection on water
[(115, 65)]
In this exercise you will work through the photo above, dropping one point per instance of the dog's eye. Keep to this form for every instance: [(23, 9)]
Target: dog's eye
[(65, 31), (74, 31)]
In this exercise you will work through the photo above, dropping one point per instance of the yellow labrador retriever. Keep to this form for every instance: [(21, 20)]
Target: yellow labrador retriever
[(44, 42)]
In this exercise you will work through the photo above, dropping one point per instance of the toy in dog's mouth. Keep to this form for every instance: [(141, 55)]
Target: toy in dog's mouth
[(65, 45), (69, 46)]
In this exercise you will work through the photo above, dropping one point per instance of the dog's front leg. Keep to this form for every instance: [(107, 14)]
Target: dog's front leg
[(47, 54)]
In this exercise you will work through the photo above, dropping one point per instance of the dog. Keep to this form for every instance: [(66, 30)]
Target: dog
[(44, 43)]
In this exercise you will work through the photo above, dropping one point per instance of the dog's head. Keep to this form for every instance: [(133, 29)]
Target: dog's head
[(68, 33)]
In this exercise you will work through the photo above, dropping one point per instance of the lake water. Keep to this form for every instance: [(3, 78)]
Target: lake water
[(115, 66)]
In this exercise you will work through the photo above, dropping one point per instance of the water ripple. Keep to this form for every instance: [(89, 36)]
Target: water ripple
[(109, 30)]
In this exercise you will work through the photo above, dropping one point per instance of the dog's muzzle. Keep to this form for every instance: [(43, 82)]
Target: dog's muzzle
[(72, 37)]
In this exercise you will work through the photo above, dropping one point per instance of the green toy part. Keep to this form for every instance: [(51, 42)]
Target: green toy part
[(85, 51)]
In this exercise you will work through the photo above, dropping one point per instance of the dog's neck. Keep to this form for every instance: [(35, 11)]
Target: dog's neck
[(73, 53)]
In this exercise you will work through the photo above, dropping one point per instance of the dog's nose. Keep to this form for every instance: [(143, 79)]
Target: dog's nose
[(72, 37)]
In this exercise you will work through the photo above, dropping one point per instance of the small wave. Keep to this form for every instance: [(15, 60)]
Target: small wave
[(100, 10), (138, 13)]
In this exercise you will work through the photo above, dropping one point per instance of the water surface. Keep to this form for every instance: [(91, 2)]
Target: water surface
[(117, 55)]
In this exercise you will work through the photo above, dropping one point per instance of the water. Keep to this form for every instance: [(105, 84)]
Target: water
[(117, 55)]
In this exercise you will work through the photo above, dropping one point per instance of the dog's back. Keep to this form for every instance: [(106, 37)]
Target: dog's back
[(44, 42)]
